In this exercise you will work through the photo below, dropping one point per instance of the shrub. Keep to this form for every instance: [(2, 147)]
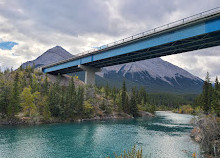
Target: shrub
[(130, 154), (88, 108), (186, 109)]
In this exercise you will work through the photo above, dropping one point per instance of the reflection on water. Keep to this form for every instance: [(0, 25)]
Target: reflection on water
[(165, 136)]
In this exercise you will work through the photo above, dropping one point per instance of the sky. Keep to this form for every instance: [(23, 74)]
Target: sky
[(30, 27)]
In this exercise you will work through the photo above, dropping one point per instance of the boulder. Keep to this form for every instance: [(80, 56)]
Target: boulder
[(145, 114)]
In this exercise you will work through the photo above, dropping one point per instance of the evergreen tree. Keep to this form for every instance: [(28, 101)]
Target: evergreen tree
[(133, 104), (207, 94), (5, 89), (106, 90), (13, 107), (123, 98), (142, 96), (217, 85), (45, 86), (113, 95), (55, 96), (216, 98), (35, 84), (30, 79), (21, 68), (80, 100), (46, 112), (72, 94)]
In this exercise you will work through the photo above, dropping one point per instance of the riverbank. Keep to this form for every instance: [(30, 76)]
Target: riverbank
[(20, 120), (207, 133)]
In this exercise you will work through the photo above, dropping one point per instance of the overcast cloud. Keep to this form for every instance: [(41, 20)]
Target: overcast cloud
[(37, 25)]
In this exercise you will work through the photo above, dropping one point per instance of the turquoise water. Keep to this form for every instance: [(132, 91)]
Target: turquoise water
[(165, 136)]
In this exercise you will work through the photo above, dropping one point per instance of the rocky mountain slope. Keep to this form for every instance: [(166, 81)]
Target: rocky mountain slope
[(52, 55), (156, 74)]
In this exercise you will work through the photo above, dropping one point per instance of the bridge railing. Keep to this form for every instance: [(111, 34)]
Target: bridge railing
[(146, 33)]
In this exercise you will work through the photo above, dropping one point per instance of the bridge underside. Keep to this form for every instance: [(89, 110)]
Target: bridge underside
[(185, 45)]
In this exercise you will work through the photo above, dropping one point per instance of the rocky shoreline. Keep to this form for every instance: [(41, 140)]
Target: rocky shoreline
[(207, 133)]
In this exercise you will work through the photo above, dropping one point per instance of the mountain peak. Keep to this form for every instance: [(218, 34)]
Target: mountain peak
[(57, 47), (52, 55)]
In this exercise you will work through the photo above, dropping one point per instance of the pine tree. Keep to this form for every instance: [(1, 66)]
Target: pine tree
[(30, 79), (35, 84), (142, 96), (216, 98), (55, 99), (13, 107), (113, 95), (123, 97), (5, 89), (80, 100), (45, 86), (133, 104), (217, 85), (21, 68), (106, 90), (46, 112), (72, 93), (207, 94)]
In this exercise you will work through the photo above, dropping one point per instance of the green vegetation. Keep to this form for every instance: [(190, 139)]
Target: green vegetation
[(184, 109), (28, 93), (209, 100), (131, 154), (207, 106)]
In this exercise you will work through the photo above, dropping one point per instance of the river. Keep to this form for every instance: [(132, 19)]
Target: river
[(164, 136)]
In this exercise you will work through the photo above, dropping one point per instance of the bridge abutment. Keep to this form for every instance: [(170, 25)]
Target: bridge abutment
[(89, 74)]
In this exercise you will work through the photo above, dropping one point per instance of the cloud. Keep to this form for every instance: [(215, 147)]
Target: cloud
[(198, 62), (80, 25)]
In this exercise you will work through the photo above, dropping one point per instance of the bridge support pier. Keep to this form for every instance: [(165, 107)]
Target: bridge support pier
[(89, 74)]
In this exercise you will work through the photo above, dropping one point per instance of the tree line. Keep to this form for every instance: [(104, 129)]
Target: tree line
[(209, 99), (29, 93)]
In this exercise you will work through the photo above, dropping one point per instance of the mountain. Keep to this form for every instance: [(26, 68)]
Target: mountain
[(52, 55), (156, 75)]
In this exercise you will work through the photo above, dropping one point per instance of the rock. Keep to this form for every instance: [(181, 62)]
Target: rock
[(196, 134), (89, 92), (145, 114)]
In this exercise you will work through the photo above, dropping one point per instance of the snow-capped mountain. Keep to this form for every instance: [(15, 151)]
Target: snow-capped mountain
[(155, 74)]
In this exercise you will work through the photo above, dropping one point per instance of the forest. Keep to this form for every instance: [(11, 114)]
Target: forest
[(30, 93), (209, 100)]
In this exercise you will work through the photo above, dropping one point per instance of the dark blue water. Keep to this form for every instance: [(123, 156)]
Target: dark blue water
[(165, 136)]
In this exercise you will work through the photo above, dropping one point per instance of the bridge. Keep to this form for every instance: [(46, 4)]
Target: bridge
[(192, 33)]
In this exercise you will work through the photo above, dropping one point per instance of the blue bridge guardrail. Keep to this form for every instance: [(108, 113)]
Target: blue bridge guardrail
[(143, 34)]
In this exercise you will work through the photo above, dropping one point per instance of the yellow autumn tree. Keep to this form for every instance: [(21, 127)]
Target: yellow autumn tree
[(27, 102), (41, 103), (88, 108)]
